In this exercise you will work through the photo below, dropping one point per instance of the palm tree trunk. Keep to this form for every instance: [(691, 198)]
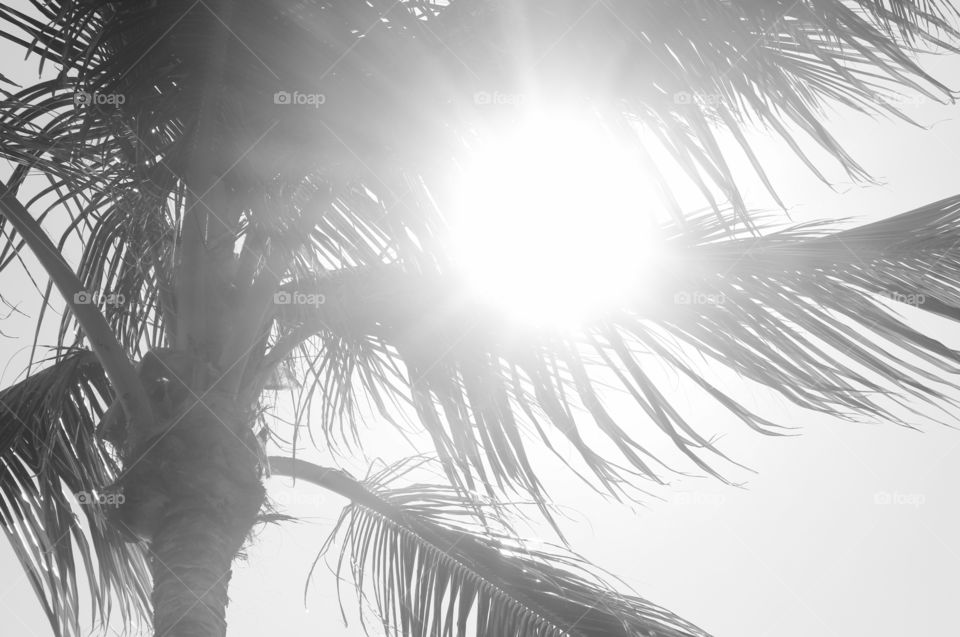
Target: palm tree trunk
[(191, 573), (196, 491)]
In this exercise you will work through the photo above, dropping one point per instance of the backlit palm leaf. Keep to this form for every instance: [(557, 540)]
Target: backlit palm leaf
[(436, 567), (805, 311), (48, 453), (397, 77)]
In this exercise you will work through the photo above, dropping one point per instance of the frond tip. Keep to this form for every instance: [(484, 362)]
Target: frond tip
[(437, 566)]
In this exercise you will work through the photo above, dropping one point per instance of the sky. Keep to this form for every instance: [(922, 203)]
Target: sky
[(847, 529)]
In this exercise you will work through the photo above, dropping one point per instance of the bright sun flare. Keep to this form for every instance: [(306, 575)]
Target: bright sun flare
[(554, 221)]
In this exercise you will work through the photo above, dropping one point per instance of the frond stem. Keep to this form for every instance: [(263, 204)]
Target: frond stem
[(108, 350)]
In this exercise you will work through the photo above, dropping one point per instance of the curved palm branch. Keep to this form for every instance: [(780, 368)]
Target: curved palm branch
[(435, 565), (805, 311), (50, 457)]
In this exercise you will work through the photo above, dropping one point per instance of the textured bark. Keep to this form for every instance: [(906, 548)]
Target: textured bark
[(195, 492), (191, 573)]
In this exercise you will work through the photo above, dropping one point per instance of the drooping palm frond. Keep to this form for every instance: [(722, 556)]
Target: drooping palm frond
[(681, 66), (438, 564), (809, 312), (115, 131), (50, 458), (398, 82)]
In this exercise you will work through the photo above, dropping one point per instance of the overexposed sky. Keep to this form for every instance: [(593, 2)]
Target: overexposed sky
[(848, 529)]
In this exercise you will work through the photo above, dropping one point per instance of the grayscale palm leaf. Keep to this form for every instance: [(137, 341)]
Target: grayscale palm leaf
[(809, 311), (51, 458), (436, 563)]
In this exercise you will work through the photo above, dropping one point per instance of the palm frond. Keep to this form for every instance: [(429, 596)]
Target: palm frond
[(436, 563), (111, 132), (398, 82), (50, 459), (809, 312), (683, 66)]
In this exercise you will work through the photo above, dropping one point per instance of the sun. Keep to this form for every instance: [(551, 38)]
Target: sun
[(553, 220)]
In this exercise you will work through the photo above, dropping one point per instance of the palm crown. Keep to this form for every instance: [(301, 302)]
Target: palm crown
[(180, 164)]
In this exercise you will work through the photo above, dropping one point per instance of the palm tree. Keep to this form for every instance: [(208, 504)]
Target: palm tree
[(200, 195)]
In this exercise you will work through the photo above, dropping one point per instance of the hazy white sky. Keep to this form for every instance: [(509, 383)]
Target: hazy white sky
[(848, 529)]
